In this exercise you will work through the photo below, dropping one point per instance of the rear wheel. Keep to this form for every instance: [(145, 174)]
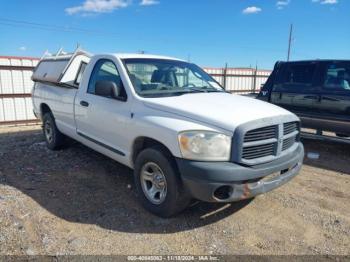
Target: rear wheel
[(53, 137), (158, 183)]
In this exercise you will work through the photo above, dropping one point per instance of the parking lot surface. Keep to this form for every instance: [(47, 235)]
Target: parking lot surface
[(77, 201)]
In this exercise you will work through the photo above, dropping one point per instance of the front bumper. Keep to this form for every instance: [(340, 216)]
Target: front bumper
[(204, 179)]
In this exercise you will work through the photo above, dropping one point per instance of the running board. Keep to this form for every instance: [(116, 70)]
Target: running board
[(325, 138)]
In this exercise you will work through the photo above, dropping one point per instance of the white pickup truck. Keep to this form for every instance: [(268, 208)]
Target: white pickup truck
[(172, 123)]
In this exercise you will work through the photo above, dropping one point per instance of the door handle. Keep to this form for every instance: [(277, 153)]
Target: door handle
[(84, 103), (317, 98), (330, 99), (311, 97)]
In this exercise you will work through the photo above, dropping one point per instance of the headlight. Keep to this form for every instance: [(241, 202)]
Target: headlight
[(205, 146)]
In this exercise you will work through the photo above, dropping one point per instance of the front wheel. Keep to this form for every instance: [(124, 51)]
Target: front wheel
[(158, 183)]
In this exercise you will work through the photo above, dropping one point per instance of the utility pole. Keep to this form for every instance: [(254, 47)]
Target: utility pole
[(225, 76), (290, 41)]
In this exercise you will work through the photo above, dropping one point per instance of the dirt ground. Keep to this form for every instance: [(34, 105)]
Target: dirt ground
[(76, 201)]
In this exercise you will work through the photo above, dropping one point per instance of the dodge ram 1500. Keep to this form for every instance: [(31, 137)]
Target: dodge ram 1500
[(172, 123)]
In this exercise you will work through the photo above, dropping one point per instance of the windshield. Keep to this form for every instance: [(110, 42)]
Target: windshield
[(159, 77)]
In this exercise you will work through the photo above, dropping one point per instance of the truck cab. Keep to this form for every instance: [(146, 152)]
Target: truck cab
[(317, 91)]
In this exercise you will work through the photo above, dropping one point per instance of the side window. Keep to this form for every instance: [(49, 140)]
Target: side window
[(80, 73), (295, 77), (299, 74), (337, 76), (105, 70)]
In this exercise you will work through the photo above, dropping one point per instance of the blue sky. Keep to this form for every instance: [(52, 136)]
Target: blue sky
[(210, 32)]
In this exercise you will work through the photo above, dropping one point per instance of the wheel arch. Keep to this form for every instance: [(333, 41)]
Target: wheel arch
[(143, 142), (44, 108)]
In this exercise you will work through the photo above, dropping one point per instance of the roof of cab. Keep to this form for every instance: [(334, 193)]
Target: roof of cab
[(316, 60), (145, 56)]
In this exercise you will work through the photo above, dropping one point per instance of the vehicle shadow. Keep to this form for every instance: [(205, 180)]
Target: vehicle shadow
[(80, 185), (333, 156)]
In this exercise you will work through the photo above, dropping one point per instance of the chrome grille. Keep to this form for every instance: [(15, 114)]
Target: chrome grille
[(261, 134), (290, 132), (253, 152), (290, 127), (260, 142), (288, 143), (266, 143)]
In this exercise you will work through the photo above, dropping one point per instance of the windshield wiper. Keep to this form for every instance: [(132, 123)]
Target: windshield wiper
[(208, 89), (188, 90), (184, 92), (191, 90), (201, 90), (217, 91)]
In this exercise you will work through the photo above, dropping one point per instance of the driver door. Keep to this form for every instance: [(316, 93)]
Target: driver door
[(296, 89), (103, 120)]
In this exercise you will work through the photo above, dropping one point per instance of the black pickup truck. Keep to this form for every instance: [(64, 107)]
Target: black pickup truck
[(317, 91)]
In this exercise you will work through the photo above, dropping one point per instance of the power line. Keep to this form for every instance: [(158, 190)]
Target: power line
[(55, 28)]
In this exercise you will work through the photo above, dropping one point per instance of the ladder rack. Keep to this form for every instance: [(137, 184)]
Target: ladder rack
[(60, 68), (61, 54)]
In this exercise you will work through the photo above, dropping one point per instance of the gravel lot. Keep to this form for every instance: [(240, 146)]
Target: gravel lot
[(76, 201)]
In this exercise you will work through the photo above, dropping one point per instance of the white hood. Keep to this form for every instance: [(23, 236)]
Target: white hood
[(219, 109)]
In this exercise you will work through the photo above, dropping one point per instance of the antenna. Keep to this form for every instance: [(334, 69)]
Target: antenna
[(290, 41)]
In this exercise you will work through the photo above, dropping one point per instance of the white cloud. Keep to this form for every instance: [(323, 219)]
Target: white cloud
[(23, 48), (251, 10), (282, 4), (326, 2), (149, 2), (329, 2), (97, 6)]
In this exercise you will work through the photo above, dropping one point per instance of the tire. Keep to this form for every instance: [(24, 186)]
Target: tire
[(53, 137), (164, 204)]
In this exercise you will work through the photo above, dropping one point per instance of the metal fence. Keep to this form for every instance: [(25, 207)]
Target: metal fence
[(15, 87), (16, 84), (240, 80)]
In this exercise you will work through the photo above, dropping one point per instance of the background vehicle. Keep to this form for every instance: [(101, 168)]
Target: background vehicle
[(317, 91), (183, 135)]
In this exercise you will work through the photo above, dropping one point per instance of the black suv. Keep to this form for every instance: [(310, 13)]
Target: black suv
[(317, 91)]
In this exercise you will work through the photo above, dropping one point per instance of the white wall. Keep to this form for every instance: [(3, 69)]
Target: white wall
[(15, 74)]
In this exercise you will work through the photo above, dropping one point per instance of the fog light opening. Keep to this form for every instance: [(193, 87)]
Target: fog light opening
[(223, 192), (284, 171)]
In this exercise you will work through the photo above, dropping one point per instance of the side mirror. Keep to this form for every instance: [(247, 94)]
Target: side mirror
[(107, 89)]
